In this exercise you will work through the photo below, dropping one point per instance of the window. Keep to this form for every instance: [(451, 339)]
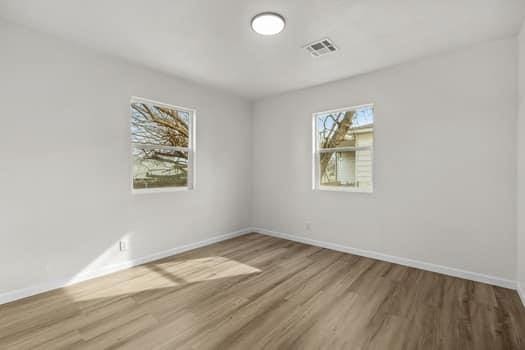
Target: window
[(162, 138), (343, 149)]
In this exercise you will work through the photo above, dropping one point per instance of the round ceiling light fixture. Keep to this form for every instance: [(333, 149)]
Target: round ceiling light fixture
[(268, 23)]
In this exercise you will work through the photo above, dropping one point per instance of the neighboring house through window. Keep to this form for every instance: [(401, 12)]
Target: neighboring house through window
[(343, 149), (162, 138)]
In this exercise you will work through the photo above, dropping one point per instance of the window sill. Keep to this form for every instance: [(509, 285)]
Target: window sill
[(160, 190), (344, 189)]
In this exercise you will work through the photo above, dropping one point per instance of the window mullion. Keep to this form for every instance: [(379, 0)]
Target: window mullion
[(152, 146), (344, 149)]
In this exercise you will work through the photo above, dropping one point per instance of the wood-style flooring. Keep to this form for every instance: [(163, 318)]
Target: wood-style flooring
[(260, 292)]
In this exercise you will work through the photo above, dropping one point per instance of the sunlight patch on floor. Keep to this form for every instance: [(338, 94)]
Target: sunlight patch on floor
[(202, 269), (157, 276)]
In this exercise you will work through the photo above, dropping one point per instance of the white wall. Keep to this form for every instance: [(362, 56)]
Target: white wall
[(521, 163), (445, 167), (65, 195)]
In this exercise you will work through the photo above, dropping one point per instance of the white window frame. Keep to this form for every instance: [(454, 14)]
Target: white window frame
[(316, 154), (192, 154)]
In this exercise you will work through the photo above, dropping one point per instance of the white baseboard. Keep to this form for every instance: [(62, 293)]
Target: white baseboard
[(63, 282), (521, 292), (474, 276), (66, 281)]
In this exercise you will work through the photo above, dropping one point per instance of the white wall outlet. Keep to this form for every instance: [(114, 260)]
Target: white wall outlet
[(308, 226), (123, 245)]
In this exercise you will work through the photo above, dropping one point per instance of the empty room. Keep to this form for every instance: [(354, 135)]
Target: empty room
[(262, 174)]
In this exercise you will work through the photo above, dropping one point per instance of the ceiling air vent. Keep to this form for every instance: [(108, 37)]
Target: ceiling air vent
[(321, 47)]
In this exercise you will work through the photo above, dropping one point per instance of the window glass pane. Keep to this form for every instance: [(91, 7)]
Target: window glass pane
[(158, 125), (352, 128), (154, 168), (347, 169)]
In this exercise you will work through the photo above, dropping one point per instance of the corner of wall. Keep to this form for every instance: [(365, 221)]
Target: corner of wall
[(252, 172), (520, 165)]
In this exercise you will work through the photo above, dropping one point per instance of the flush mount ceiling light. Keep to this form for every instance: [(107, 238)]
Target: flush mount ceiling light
[(268, 23)]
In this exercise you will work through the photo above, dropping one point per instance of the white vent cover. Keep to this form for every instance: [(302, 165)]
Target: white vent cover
[(321, 47)]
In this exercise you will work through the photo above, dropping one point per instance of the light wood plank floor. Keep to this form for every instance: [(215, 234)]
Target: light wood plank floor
[(256, 292)]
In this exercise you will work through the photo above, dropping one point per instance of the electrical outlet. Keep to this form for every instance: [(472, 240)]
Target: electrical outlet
[(123, 245), (308, 226)]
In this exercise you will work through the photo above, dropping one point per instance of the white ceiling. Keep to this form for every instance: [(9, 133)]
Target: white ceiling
[(210, 41)]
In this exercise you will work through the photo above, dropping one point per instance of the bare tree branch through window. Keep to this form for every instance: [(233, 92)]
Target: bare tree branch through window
[(344, 145), (161, 138)]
